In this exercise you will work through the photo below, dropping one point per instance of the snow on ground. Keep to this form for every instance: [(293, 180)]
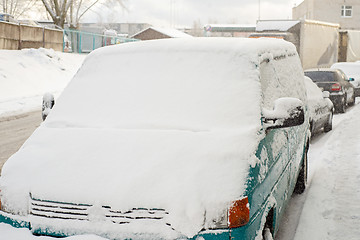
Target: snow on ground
[(332, 202), (27, 74)]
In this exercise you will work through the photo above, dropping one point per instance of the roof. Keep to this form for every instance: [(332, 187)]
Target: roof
[(170, 32), (321, 70), (275, 25), (285, 25), (230, 27)]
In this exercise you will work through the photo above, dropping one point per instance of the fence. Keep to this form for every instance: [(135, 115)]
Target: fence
[(84, 42), (17, 36)]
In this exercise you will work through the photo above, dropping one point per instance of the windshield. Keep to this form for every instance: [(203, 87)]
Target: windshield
[(321, 76), (163, 85)]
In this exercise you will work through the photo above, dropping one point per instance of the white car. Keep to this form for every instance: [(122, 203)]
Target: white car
[(321, 108)]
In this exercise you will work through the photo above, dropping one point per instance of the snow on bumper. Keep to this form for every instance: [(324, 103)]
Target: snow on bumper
[(66, 219)]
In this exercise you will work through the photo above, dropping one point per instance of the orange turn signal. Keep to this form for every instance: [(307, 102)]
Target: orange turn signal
[(239, 213)]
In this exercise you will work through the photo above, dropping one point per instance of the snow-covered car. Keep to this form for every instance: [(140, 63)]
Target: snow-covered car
[(342, 92), (197, 138), (352, 71), (321, 108)]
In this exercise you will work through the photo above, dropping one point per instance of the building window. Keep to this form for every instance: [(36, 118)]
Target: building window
[(346, 11)]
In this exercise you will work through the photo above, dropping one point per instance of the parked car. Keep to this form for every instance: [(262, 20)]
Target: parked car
[(342, 93), (202, 138), (321, 108), (352, 70)]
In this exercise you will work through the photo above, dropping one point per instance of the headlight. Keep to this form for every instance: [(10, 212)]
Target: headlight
[(236, 216)]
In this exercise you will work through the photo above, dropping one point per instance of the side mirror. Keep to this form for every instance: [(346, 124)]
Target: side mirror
[(47, 104), (351, 79), (288, 112), (326, 94)]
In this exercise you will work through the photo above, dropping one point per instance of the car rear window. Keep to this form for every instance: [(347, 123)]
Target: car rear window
[(320, 76)]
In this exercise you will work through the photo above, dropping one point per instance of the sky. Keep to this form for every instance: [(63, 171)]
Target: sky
[(183, 13)]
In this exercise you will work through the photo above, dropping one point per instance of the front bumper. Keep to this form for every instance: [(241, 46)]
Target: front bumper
[(14, 220), (61, 228)]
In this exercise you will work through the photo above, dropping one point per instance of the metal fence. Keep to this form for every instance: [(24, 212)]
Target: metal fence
[(84, 42)]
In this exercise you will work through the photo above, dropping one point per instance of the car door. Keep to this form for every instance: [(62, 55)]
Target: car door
[(349, 89)]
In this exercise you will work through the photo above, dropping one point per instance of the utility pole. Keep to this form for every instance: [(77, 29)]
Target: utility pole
[(172, 13), (259, 11)]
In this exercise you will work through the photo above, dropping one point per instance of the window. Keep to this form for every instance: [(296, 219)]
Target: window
[(346, 11)]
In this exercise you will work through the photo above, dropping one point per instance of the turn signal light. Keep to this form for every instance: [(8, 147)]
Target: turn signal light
[(336, 87), (239, 213)]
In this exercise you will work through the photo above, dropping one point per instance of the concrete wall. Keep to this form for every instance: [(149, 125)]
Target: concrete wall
[(16, 36), (329, 11)]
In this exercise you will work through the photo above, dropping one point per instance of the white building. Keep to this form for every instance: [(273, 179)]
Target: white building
[(344, 12)]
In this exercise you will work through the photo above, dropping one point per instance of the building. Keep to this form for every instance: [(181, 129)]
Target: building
[(228, 30), (159, 33), (344, 12)]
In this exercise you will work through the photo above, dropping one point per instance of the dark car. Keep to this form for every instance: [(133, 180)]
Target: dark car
[(320, 108), (352, 70), (342, 92)]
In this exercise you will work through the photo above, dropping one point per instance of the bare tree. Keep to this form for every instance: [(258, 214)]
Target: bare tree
[(73, 10), (16, 8), (57, 10)]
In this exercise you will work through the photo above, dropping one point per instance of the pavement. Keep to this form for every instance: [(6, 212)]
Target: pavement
[(14, 131)]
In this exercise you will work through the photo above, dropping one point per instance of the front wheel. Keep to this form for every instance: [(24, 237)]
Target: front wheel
[(267, 234), (302, 178), (352, 103), (328, 125)]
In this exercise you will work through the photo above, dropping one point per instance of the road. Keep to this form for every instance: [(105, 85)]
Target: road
[(14, 131)]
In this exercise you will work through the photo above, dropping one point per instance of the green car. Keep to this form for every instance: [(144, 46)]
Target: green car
[(196, 138)]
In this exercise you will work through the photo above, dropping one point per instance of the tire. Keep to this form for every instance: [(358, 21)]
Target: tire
[(352, 103), (311, 127), (268, 227), (342, 106), (328, 125), (302, 178), (267, 234)]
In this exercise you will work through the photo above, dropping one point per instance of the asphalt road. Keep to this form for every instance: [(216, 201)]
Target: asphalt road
[(14, 131)]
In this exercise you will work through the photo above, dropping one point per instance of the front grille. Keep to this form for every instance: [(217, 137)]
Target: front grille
[(52, 209), (85, 212)]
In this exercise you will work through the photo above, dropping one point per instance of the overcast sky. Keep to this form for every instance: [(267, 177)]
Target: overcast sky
[(180, 13)]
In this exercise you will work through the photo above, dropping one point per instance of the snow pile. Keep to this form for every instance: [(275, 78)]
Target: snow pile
[(332, 207), (27, 74)]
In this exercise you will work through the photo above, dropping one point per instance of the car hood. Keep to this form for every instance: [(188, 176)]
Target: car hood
[(193, 175)]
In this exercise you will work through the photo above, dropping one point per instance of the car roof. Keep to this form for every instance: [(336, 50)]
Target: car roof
[(247, 47), (321, 70)]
